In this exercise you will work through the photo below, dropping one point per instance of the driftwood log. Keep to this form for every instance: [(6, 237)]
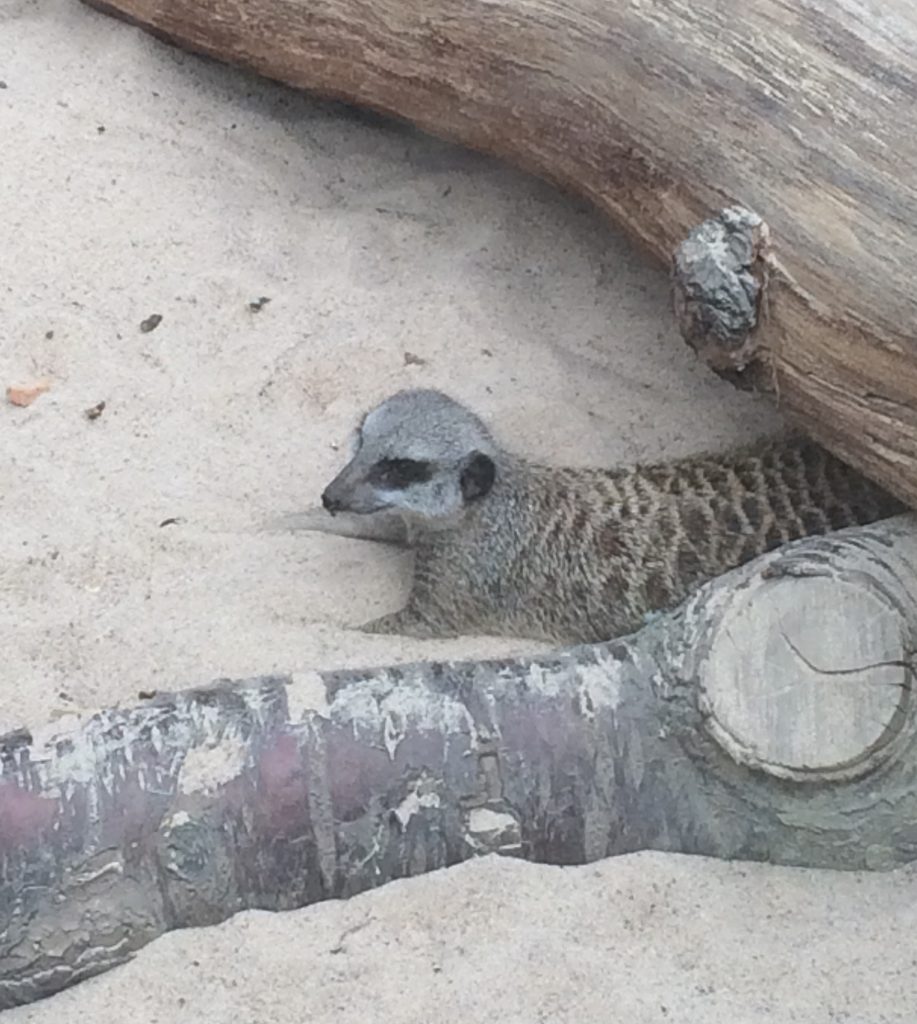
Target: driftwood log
[(767, 148), (772, 717)]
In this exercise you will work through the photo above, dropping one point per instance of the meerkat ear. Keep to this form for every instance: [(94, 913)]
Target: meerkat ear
[(478, 476)]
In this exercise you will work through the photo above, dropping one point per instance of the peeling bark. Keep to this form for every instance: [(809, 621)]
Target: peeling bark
[(278, 792)]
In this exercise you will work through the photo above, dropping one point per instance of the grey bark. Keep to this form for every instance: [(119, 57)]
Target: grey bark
[(281, 791)]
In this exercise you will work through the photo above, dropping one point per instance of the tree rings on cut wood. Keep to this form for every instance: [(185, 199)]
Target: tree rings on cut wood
[(719, 277), (807, 676)]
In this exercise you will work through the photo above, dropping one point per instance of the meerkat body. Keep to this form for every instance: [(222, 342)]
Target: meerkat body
[(505, 546)]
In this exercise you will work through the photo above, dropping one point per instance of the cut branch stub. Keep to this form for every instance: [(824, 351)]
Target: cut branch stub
[(719, 277), (807, 676)]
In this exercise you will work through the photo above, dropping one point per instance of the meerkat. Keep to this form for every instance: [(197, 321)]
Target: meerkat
[(506, 546)]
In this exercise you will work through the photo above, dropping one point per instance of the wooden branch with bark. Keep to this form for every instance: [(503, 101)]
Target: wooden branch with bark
[(767, 149), (771, 718)]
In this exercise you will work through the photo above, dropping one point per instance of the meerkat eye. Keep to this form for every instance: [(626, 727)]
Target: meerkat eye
[(396, 474)]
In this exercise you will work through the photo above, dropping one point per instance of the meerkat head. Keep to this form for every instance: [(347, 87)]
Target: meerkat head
[(419, 452)]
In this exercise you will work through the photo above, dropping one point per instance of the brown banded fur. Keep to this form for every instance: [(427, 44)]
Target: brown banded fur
[(579, 555)]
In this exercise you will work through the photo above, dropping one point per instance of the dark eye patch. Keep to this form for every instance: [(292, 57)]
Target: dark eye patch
[(396, 474)]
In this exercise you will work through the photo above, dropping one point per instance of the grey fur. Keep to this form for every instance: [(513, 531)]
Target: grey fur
[(576, 555)]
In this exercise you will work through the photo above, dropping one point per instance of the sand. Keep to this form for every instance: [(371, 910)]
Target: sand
[(134, 551)]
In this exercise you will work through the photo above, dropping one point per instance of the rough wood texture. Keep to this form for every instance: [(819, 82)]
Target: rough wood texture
[(275, 793), (664, 113)]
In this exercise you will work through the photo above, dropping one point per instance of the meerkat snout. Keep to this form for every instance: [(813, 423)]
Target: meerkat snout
[(420, 453), (330, 502)]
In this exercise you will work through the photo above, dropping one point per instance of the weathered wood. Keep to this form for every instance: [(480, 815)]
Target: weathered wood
[(664, 113), (279, 792)]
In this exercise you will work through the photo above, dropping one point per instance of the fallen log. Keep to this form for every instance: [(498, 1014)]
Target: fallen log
[(664, 114), (770, 718)]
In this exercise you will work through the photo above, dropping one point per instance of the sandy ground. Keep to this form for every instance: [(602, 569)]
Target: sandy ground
[(136, 180)]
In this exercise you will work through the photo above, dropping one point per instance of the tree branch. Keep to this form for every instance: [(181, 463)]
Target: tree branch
[(703, 733)]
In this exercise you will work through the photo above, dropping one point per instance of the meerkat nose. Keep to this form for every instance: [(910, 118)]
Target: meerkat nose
[(331, 504)]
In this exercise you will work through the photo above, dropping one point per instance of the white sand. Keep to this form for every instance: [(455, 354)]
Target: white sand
[(135, 180)]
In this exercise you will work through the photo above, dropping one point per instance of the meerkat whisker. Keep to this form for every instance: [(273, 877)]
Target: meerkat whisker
[(382, 527)]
